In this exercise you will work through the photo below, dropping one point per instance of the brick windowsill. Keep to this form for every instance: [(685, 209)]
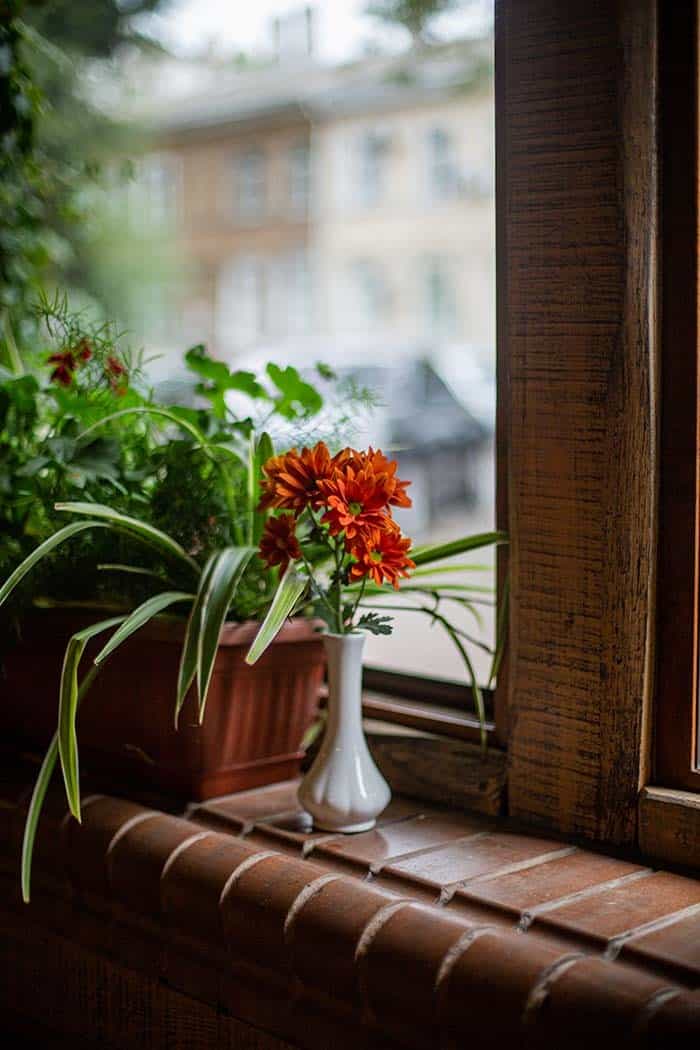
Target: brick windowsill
[(433, 930)]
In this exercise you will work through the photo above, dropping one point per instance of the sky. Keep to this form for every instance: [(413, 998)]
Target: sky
[(190, 28)]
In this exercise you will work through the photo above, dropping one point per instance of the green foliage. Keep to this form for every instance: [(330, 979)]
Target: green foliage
[(375, 624), (413, 15)]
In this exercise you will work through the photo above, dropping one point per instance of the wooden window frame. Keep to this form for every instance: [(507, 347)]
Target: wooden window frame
[(597, 423), (676, 723)]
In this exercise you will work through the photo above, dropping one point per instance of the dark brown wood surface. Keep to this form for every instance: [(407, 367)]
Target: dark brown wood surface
[(677, 599), (451, 772), (669, 826), (501, 718), (580, 203)]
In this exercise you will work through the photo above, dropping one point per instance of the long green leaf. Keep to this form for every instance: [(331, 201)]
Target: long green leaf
[(437, 552), (44, 548), (433, 570), (140, 616), (68, 706), (148, 410), (141, 529), (134, 570), (290, 589), (190, 647), (501, 631), (39, 794), (35, 806), (230, 565)]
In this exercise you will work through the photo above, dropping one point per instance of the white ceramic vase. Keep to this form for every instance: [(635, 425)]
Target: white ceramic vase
[(344, 791)]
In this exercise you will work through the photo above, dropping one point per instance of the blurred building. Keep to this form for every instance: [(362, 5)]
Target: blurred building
[(346, 215), (335, 205)]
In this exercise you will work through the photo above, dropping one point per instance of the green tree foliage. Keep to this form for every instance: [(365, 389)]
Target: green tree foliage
[(413, 15), (55, 148), (87, 27)]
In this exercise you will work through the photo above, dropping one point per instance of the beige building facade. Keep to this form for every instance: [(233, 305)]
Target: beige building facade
[(337, 208)]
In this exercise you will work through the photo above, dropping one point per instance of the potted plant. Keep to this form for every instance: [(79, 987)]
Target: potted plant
[(313, 540), (172, 497)]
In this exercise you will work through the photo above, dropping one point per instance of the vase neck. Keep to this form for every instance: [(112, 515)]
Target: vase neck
[(344, 652)]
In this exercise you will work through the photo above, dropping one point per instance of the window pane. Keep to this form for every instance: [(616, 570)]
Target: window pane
[(338, 206)]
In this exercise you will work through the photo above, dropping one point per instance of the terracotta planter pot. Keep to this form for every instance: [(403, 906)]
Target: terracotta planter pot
[(254, 723)]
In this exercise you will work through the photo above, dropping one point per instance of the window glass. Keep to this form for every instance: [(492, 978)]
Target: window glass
[(358, 230)]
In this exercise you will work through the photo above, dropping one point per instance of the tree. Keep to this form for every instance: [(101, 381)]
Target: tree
[(413, 15), (94, 28), (54, 145)]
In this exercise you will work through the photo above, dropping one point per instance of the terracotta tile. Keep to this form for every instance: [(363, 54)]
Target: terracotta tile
[(251, 805), (481, 854), (399, 885), (620, 910), (676, 1022), (87, 843), (192, 883), (137, 856), (594, 1002), (485, 988), (674, 950), (399, 965), (255, 906), (325, 932), (374, 848), (533, 888)]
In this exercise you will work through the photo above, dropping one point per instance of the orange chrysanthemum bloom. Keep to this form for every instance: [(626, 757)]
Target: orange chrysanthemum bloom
[(279, 544), (384, 559), (379, 464), (357, 502), (291, 481)]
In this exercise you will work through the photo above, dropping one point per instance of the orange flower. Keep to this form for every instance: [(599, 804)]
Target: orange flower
[(279, 544), (357, 501), (378, 462), (384, 559), (291, 481)]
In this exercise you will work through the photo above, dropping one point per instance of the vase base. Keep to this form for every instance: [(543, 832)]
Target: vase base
[(346, 829)]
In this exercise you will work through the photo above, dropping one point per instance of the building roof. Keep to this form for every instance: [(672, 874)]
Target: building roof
[(207, 96)]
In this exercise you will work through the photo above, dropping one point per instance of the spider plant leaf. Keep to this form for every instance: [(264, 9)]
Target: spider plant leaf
[(140, 616), (39, 794), (134, 570), (141, 529), (434, 570), (190, 647), (289, 591), (44, 548), (69, 693), (231, 563), (35, 806), (439, 551)]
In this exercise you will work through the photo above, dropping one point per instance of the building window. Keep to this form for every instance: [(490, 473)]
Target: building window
[(440, 306), (251, 186), (242, 302), (373, 151), (300, 179), (157, 189), (443, 177), (371, 298)]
